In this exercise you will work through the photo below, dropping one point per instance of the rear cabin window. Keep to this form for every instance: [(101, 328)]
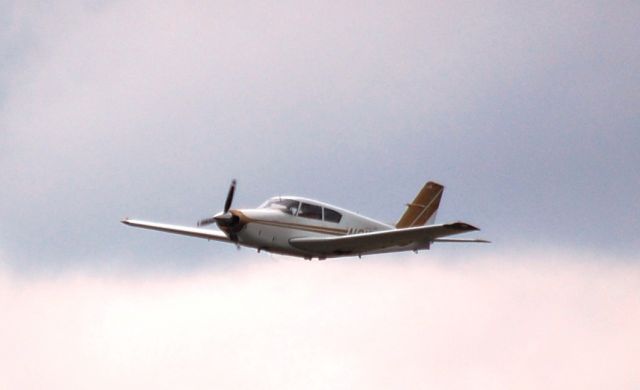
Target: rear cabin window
[(310, 211), (332, 216)]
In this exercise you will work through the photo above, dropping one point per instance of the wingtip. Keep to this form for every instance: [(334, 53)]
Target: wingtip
[(125, 220), (463, 226)]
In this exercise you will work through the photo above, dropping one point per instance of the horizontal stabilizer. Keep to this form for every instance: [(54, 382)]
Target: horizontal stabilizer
[(461, 240)]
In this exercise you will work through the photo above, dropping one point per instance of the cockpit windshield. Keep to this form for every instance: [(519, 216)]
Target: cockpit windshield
[(288, 206)]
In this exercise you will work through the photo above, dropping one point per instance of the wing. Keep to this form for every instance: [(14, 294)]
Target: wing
[(375, 241), (183, 230)]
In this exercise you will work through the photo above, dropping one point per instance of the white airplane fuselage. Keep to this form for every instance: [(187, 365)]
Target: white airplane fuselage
[(271, 229)]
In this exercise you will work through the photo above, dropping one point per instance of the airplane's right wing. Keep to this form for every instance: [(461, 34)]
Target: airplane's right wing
[(380, 240), (175, 229)]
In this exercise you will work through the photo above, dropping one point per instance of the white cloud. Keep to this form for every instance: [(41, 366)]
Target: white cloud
[(545, 320), (148, 109)]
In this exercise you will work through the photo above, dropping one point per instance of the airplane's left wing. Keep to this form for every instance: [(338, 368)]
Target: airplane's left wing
[(175, 229), (380, 240)]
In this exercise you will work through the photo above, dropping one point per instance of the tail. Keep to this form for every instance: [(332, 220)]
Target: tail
[(422, 211)]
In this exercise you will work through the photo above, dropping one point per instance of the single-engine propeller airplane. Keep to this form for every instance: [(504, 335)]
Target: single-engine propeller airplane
[(296, 226)]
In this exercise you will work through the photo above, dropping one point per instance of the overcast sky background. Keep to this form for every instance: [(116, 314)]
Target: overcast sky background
[(528, 114)]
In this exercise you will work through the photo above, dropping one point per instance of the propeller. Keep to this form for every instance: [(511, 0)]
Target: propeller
[(232, 190), (224, 219)]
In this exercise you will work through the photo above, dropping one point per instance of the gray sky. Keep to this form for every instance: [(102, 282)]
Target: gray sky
[(528, 114)]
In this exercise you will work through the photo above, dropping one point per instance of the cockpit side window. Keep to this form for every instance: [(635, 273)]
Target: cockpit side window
[(310, 211), (288, 206), (332, 216)]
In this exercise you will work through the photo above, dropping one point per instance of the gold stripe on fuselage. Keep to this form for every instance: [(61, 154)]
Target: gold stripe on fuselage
[(297, 226)]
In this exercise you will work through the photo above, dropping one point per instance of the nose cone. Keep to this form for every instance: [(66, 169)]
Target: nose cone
[(225, 219), (230, 222)]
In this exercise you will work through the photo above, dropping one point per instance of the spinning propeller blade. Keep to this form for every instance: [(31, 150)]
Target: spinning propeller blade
[(225, 216), (232, 190), (206, 221)]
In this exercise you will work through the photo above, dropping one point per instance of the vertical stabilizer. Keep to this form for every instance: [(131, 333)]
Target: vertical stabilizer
[(423, 208)]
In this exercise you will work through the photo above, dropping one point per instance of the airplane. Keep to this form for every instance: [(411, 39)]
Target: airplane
[(307, 228)]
